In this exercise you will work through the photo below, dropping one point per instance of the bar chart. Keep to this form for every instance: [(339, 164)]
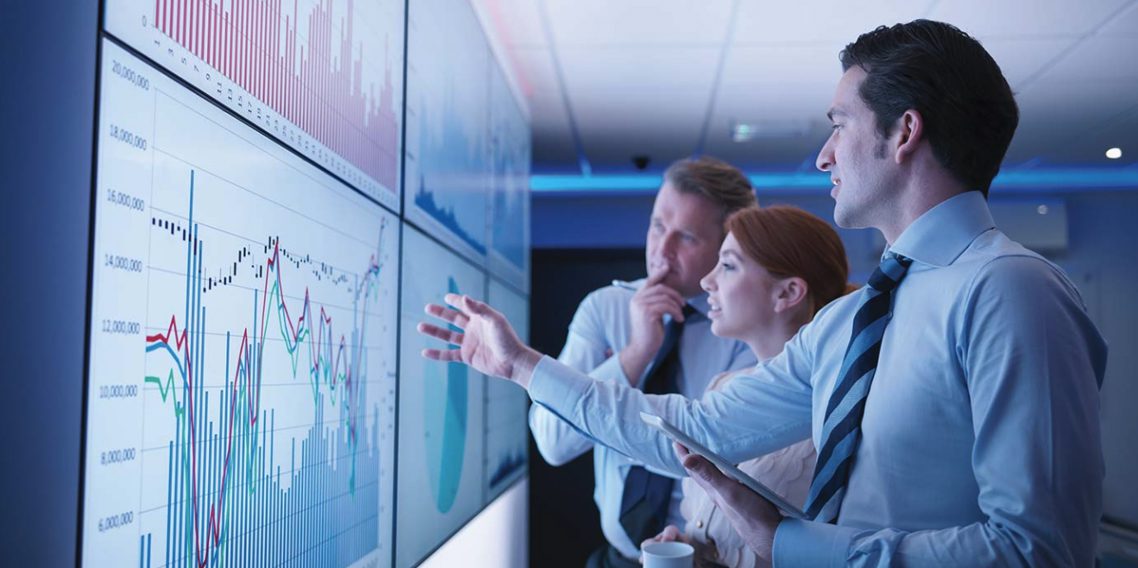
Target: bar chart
[(242, 379), (322, 76)]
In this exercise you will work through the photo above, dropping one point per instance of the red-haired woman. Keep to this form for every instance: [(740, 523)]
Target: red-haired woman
[(777, 267)]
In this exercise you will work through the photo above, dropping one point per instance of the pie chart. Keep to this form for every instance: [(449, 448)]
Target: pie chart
[(445, 419)]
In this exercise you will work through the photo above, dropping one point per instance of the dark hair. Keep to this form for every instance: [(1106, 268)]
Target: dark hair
[(714, 179), (944, 74), (788, 241)]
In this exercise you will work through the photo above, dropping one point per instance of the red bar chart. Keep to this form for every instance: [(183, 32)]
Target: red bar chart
[(322, 76)]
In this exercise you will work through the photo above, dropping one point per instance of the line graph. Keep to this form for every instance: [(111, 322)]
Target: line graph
[(243, 365), (324, 76)]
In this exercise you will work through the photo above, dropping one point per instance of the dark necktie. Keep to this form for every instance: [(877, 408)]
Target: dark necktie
[(644, 503), (841, 431)]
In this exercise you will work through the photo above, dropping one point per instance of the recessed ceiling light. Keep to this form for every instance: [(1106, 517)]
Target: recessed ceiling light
[(741, 132), (1114, 153), (772, 129)]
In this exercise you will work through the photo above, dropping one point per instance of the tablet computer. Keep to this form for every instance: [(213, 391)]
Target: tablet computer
[(729, 469)]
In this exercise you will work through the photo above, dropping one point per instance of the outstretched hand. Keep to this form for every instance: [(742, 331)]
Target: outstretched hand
[(485, 339), (752, 516)]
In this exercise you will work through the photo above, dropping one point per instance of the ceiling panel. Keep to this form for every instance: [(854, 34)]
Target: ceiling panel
[(640, 121), (1056, 117), (632, 22), (639, 73), (749, 66), (616, 69), (1021, 59), (1090, 148), (1097, 58), (794, 107), (1126, 24), (1026, 18), (833, 21)]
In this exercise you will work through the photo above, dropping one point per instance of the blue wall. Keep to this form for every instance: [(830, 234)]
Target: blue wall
[(48, 57)]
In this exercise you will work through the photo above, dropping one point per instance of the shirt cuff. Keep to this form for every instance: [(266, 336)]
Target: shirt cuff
[(558, 387), (809, 543), (610, 370)]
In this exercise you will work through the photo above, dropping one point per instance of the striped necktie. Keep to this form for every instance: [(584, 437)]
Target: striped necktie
[(841, 430)]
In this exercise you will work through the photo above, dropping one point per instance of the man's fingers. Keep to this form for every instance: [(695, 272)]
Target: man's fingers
[(681, 450), (656, 309), (731, 495), (476, 307), (430, 330), (658, 292), (466, 305), (443, 354), (447, 314), (656, 275), (705, 474)]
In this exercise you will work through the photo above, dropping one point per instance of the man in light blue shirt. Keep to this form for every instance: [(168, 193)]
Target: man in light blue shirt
[(616, 332), (979, 437)]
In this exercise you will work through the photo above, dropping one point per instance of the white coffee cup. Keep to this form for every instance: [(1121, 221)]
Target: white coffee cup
[(667, 555)]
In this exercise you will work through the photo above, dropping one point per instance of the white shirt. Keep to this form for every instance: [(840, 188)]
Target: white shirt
[(980, 440), (599, 330)]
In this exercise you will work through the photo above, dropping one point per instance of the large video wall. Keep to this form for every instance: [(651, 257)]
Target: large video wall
[(280, 187)]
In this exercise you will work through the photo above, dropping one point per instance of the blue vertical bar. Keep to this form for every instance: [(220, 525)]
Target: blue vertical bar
[(149, 545), (299, 479), (206, 481), (318, 501), (224, 433), (274, 541), (264, 488), (306, 496), (178, 478), (291, 534), (328, 501), (243, 494), (254, 505), (225, 508), (169, 490), (223, 480), (238, 484), (273, 548), (218, 498)]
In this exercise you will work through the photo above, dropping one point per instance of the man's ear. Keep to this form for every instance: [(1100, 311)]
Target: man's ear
[(790, 293), (911, 130)]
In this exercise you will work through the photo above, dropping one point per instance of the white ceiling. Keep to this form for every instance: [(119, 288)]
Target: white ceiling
[(609, 79)]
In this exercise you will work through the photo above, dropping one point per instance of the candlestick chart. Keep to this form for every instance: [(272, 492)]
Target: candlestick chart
[(242, 373)]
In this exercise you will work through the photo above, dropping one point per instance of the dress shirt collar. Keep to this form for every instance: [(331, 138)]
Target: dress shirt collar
[(940, 235), (700, 303)]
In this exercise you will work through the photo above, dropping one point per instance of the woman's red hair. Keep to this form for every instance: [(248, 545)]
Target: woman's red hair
[(788, 241)]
